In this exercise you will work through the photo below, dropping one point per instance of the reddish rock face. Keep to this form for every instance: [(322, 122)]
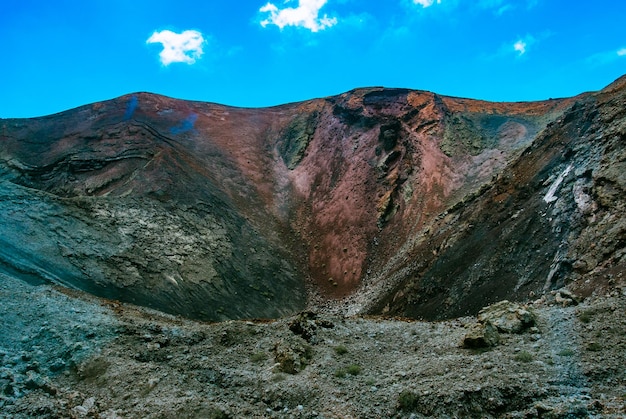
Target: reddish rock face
[(216, 212)]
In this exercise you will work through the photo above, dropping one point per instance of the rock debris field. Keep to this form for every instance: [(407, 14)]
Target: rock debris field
[(65, 354)]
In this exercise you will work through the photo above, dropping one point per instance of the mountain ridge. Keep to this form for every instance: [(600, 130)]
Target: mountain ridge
[(218, 212)]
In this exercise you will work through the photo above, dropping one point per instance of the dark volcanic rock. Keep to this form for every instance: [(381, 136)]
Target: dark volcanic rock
[(524, 232), (407, 202)]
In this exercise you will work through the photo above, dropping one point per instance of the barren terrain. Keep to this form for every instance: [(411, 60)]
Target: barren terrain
[(75, 356), (380, 253)]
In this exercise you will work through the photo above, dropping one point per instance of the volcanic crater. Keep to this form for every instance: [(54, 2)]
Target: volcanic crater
[(375, 201)]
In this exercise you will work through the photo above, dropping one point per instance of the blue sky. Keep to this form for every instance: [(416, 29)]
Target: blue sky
[(65, 53)]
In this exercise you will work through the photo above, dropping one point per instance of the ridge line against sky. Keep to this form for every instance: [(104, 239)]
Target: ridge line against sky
[(257, 53)]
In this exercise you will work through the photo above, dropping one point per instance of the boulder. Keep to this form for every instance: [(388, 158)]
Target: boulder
[(507, 317), (565, 298), (481, 335)]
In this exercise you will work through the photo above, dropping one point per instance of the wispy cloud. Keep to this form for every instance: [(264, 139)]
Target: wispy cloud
[(503, 9), (490, 4), (606, 57), (306, 15), (426, 3), (500, 7), (531, 4), (497, 7), (520, 47), (185, 47)]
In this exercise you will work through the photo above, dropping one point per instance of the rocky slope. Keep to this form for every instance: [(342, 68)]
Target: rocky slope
[(553, 217), (71, 356), (377, 200)]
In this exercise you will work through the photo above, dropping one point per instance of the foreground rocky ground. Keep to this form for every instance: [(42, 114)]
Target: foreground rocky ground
[(65, 354)]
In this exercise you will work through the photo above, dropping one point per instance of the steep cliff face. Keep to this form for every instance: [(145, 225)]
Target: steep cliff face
[(399, 201), (553, 217)]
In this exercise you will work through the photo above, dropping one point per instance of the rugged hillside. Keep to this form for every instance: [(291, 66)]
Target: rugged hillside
[(555, 216), (377, 200)]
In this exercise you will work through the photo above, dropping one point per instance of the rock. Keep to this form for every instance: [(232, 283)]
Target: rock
[(294, 142), (85, 408), (80, 410), (57, 365), (543, 408), (291, 356), (304, 325), (507, 317), (481, 335), (89, 403), (152, 382), (580, 266), (34, 381), (565, 298), (109, 414), (389, 134), (7, 388)]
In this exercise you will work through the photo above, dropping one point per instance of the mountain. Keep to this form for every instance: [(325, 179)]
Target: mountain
[(375, 201)]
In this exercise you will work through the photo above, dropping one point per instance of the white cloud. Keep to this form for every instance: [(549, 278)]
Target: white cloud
[(185, 47), (306, 15), (520, 47), (524, 43), (621, 52), (426, 3)]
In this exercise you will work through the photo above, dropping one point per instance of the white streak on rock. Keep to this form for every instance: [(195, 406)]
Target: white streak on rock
[(550, 197)]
